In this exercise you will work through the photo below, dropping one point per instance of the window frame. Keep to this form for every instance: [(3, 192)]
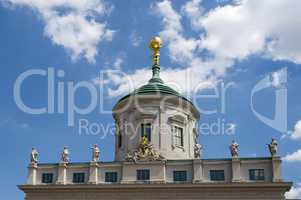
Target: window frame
[(178, 139), (259, 177), (143, 131), (214, 175), (78, 179), (43, 178), (180, 176), (112, 179), (142, 176)]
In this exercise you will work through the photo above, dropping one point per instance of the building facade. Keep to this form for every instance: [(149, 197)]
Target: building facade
[(157, 156)]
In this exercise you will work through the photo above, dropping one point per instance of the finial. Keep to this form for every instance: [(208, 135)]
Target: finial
[(155, 44)]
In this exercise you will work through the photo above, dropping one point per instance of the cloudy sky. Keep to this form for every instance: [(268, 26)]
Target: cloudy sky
[(238, 61)]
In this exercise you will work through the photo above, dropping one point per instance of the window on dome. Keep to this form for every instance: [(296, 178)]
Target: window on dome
[(178, 136), (146, 130)]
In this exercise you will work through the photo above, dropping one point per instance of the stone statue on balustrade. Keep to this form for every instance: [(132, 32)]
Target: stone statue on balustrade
[(34, 156), (65, 155), (234, 149), (95, 153), (273, 147)]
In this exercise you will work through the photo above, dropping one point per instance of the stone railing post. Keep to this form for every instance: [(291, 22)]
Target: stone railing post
[(197, 171), (276, 165), (32, 174), (93, 173), (62, 173), (236, 173)]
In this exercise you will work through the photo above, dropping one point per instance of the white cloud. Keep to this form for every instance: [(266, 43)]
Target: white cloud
[(297, 131), (270, 27), (196, 73), (72, 24), (294, 157), (118, 62), (194, 11), (224, 35), (135, 39), (279, 78), (181, 49), (294, 193)]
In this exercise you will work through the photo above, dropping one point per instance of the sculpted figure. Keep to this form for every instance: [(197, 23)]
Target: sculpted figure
[(145, 151), (273, 147), (234, 149), (95, 153), (65, 155), (34, 156), (197, 150)]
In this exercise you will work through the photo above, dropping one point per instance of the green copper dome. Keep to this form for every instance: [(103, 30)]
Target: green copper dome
[(154, 86)]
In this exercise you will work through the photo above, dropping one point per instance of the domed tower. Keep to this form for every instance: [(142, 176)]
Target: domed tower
[(155, 121)]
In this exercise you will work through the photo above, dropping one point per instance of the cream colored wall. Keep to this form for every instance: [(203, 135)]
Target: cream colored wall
[(103, 169), (45, 169), (76, 169), (257, 164), (161, 139), (170, 168), (176, 192), (217, 165), (163, 170), (157, 172)]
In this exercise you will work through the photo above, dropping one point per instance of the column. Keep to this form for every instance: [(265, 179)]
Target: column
[(197, 171), (236, 176), (32, 174), (276, 165), (93, 173), (62, 173)]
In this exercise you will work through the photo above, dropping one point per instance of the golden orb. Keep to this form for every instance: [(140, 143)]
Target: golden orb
[(155, 43)]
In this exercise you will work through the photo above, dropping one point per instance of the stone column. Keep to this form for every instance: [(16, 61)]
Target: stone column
[(276, 165), (197, 170), (62, 173), (93, 173), (236, 174), (32, 174)]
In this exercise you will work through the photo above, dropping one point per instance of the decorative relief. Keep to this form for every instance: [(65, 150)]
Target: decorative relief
[(145, 152)]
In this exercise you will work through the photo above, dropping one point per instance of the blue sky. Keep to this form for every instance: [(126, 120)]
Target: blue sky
[(206, 43)]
